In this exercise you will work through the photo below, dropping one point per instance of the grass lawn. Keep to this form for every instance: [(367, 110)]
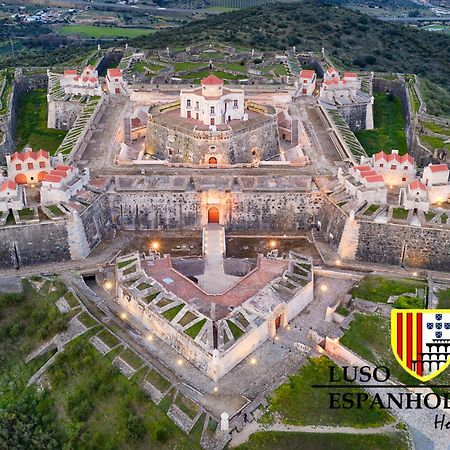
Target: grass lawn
[(400, 213), (99, 408), (277, 69), (104, 32), (27, 214), (32, 123), (436, 98), (376, 288), (87, 320), (172, 312), (235, 330), (276, 440), (292, 401), (389, 132), (443, 299), (195, 329), (370, 210), (109, 339), (370, 337), (436, 128), (157, 380), (187, 406), (236, 67), (433, 142), (142, 65)]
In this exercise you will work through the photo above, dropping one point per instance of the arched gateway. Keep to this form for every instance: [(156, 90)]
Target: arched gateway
[(213, 215)]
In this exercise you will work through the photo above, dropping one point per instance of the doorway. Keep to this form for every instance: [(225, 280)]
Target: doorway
[(278, 322), (213, 215), (212, 160)]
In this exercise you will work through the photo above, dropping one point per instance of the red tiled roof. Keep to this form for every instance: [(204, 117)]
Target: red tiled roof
[(8, 185), (416, 184), (30, 154), (331, 70), (362, 168), (136, 122), (211, 80), (90, 67), (70, 72), (394, 157), (350, 75), (330, 82), (438, 167), (85, 79), (93, 79), (375, 179), (368, 173), (309, 74), (115, 72), (63, 168), (53, 178)]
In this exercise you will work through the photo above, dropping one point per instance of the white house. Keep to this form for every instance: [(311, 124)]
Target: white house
[(115, 82), (415, 196), (338, 89), (364, 183), (307, 82), (212, 104), (28, 167), (11, 196), (397, 170), (62, 183), (87, 83), (435, 178)]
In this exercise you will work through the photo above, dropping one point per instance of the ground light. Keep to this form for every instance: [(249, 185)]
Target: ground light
[(253, 361), (273, 243), (108, 285), (180, 362), (123, 316), (324, 288)]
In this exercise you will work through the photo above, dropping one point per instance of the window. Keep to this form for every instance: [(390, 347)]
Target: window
[(404, 179), (18, 166), (30, 166), (381, 165), (405, 167), (41, 164), (188, 103), (393, 167), (197, 105), (235, 103), (212, 109)]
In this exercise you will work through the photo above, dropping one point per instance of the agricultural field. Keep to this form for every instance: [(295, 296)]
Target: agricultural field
[(32, 123), (389, 132), (97, 32)]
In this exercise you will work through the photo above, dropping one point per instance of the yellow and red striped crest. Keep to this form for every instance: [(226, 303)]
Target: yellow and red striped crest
[(420, 340)]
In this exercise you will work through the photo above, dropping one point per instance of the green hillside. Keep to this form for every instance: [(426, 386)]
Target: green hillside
[(352, 39)]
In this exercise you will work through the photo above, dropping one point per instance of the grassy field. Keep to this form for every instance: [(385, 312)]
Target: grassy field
[(378, 289), (389, 125), (32, 123), (443, 299), (274, 440), (104, 32), (292, 401), (437, 99), (433, 142), (370, 337)]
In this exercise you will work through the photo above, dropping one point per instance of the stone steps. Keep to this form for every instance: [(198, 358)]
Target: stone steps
[(348, 245)]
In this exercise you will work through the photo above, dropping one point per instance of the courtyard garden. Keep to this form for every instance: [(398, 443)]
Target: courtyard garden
[(389, 132), (31, 125)]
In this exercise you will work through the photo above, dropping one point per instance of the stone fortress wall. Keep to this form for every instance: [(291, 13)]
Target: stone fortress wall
[(62, 114), (21, 84), (51, 241), (229, 146)]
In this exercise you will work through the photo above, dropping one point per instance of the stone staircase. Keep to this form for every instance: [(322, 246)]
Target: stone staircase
[(78, 243), (349, 240)]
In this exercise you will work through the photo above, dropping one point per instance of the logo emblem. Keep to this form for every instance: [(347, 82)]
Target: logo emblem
[(420, 340)]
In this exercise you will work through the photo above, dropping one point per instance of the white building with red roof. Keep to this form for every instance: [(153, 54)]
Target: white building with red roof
[(115, 82), (307, 82), (85, 83), (12, 196), (62, 183), (435, 178), (28, 167), (339, 89), (364, 183), (415, 196), (397, 170), (211, 103)]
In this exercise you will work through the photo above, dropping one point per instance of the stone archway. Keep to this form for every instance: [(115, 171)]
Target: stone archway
[(212, 160), (20, 179), (213, 215)]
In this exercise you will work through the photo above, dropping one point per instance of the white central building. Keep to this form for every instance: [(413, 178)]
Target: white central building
[(212, 104)]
